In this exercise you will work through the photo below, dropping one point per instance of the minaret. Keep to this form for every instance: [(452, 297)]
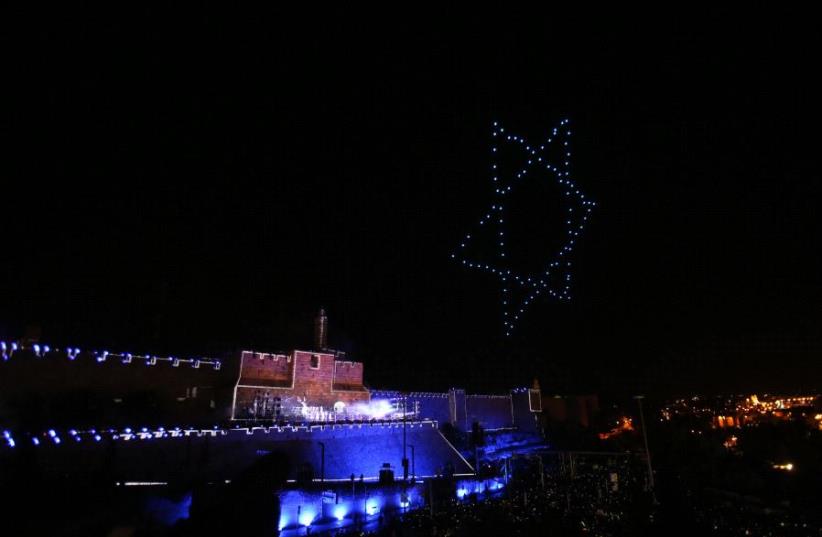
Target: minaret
[(320, 331)]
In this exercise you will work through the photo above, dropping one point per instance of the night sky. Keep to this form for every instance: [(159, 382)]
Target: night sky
[(197, 183)]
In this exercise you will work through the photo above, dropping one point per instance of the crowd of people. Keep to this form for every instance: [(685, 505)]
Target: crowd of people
[(599, 498), (729, 515)]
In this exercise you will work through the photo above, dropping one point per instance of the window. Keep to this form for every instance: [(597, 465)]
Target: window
[(315, 361)]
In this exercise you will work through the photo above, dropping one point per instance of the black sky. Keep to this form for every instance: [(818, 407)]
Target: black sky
[(198, 182)]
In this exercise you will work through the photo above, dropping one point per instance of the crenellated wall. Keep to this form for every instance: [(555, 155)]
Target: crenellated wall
[(347, 375), (219, 454), (426, 405), (51, 386), (462, 410), (311, 384), (314, 383), (263, 369)]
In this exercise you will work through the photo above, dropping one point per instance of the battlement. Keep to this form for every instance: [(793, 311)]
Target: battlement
[(158, 455), (22, 351), (348, 376), (307, 384), (299, 370), (462, 410), (264, 369), (247, 386)]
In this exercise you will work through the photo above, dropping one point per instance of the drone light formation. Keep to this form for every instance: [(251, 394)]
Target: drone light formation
[(520, 288)]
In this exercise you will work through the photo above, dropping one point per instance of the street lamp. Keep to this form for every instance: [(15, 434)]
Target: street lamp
[(413, 464), (404, 452), (322, 465), (639, 399)]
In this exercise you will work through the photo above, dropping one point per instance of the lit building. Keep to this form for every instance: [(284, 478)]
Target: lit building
[(301, 385)]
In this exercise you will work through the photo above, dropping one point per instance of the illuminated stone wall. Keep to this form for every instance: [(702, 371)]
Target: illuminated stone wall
[(422, 405), (224, 454), (305, 385), (266, 369), (51, 389), (461, 410), (348, 375)]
